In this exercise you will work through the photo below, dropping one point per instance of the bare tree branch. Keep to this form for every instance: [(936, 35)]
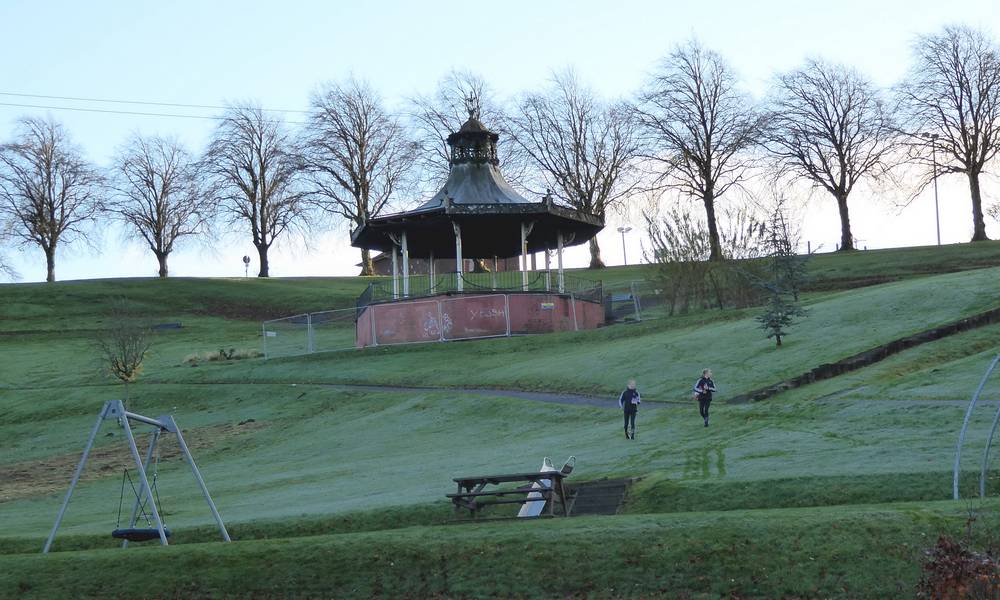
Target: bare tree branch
[(828, 125), (157, 196), (436, 116), (357, 155), (952, 94), (699, 127), (48, 193), (253, 171), (584, 148)]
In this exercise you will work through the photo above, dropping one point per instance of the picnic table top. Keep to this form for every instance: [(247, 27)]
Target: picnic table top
[(532, 476)]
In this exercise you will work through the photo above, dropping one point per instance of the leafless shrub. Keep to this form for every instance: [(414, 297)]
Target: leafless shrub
[(123, 344)]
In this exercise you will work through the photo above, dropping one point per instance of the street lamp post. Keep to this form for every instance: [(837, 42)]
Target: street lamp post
[(623, 230), (937, 214)]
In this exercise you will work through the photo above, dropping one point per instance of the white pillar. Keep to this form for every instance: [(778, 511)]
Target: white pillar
[(493, 276), (430, 271), (548, 271), (406, 267), (459, 284), (395, 274), (524, 258), (559, 262)]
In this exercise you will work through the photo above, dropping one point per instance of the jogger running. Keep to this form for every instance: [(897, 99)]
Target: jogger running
[(703, 391), (629, 403)]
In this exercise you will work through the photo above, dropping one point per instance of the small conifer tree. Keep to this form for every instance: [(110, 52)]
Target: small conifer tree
[(787, 272)]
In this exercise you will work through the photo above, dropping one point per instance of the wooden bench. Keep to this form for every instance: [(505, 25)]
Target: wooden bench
[(471, 489)]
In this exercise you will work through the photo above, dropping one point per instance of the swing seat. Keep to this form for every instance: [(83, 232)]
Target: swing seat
[(138, 534)]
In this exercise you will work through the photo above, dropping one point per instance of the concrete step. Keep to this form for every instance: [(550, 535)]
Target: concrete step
[(603, 497)]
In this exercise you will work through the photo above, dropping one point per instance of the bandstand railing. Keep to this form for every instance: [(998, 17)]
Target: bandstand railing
[(422, 286)]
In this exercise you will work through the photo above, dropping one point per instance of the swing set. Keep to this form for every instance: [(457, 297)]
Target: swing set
[(146, 496)]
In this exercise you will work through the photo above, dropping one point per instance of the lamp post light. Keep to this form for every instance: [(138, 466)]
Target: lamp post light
[(246, 266), (937, 215), (623, 230)]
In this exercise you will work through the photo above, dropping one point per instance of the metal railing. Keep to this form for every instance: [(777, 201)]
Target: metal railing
[(422, 286)]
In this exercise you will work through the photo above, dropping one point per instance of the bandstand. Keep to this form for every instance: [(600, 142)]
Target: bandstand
[(476, 215)]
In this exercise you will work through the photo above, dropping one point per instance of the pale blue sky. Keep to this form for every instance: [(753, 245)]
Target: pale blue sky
[(214, 52)]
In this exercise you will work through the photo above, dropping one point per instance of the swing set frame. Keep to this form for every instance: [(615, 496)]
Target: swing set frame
[(115, 410)]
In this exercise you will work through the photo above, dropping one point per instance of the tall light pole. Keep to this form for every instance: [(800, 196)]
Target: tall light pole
[(937, 215), (623, 230)]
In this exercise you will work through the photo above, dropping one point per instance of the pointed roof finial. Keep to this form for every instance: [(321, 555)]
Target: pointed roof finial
[(472, 106)]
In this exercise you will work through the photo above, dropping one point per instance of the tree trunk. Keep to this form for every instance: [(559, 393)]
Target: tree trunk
[(50, 264), (367, 265), (715, 253), (595, 255), (777, 339), (262, 253), (978, 223), (161, 257), (846, 237)]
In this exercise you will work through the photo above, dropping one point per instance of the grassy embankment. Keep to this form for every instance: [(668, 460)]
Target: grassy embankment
[(353, 468)]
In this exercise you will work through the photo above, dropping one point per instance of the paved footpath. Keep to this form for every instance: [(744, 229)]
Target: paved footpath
[(574, 399)]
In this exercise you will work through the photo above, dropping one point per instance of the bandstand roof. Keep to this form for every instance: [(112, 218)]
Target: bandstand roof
[(487, 209)]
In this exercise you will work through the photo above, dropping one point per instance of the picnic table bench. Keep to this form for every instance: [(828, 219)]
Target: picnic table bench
[(472, 489)]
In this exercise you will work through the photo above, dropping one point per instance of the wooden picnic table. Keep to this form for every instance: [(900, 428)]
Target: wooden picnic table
[(471, 489)]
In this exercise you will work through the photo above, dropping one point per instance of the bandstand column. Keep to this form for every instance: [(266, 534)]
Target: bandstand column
[(430, 271), (559, 262), (524, 257), (459, 284), (395, 273), (548, 271), (406, 267)]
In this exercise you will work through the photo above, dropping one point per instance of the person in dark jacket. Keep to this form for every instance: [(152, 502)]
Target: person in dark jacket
[(703, 392), (629, 403)]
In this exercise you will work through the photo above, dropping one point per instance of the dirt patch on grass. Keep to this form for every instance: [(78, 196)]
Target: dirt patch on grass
[(49, 475)]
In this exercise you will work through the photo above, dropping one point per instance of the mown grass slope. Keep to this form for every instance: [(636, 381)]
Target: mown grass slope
[(317, 480)]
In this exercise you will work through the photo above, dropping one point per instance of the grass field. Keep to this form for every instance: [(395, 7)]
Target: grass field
[(332, 492)]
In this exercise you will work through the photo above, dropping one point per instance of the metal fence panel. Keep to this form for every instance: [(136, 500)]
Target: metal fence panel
[(410, 322), (288, 336), (333, 329), (471, 317)]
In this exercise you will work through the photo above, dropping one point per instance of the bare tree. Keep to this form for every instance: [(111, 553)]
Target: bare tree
[(952, 94), (357, 155), (123, 344), (699, 127), (48, 192), (253, 170), (584, 148), (436, 116), (6, 269), (828, 125), (157, 195)]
